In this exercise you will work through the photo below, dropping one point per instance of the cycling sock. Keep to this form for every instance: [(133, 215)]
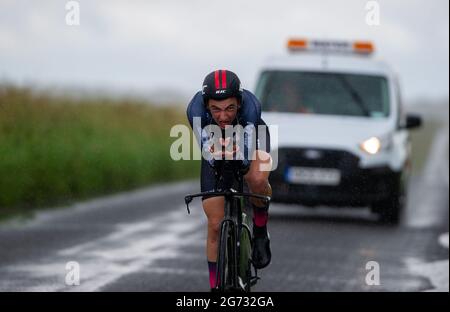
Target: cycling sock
[(260, 217), (212, 266)]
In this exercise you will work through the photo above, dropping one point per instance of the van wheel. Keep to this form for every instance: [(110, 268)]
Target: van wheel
[(390, 209)]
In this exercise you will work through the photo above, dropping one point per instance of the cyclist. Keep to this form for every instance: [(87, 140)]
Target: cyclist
[(223, 102)]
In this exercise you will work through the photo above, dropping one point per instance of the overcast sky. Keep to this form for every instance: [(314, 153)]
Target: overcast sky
[(154, 44)]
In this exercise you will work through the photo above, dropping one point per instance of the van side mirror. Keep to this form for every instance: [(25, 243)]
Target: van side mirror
[(412, 121)]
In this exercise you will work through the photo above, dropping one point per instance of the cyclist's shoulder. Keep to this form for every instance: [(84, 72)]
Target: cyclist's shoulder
[(196, 103), (251, 107), (249, 99), (196, 108)]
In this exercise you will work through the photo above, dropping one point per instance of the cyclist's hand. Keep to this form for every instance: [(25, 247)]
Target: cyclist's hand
[(224, 153)]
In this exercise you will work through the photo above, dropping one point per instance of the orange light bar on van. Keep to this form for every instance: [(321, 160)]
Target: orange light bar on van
[(331, 46), (363, 47), (297, 44)]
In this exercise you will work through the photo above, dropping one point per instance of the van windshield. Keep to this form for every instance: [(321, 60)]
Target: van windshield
[(324, 93)]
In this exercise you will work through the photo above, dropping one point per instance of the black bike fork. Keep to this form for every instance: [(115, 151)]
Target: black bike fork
[(220, 276)]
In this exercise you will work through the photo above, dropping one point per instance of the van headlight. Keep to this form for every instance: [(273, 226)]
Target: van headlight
[(374, 145), (371, 146)]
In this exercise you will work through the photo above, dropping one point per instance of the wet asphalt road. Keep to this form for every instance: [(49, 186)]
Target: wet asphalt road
[(152, 245), (145, 241)]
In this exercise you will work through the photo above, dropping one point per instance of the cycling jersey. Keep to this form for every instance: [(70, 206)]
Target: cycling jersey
[(249, 117)]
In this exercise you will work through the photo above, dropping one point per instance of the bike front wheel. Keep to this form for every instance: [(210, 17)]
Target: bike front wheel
[(225, 265), (245, 252)]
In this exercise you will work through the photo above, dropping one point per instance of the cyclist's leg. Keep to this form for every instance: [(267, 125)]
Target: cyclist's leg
[(258, 183), (213, 208), (257, 179)]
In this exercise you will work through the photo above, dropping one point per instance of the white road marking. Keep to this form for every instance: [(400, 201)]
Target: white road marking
[(428, 210), (430, 196), (130, 248), (436, 271), (443, 240)]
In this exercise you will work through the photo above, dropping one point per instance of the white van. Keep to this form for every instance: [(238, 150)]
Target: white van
[(343, 136)]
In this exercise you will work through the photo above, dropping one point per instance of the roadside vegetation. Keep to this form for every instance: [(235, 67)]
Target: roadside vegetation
[(55, 150)]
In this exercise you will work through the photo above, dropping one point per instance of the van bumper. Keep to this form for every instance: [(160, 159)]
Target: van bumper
[(357, 187)]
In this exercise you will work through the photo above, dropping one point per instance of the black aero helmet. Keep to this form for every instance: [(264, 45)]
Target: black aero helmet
[(220, 85)]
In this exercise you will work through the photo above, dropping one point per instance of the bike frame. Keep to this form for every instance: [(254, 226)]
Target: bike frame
[(228, 172)]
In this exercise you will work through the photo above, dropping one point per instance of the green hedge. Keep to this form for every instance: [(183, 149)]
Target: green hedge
[(57, 149)]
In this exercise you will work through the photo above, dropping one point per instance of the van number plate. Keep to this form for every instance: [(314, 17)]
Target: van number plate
[(313, 176)]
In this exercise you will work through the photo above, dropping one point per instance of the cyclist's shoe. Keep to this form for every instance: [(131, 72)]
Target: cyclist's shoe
[(261, 254)]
